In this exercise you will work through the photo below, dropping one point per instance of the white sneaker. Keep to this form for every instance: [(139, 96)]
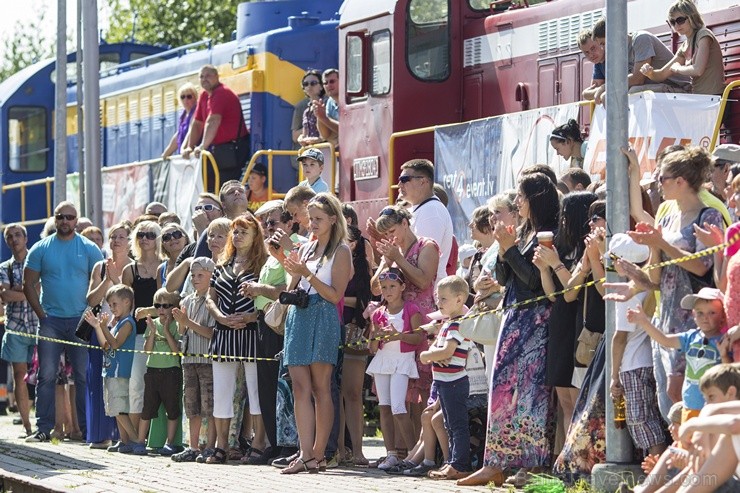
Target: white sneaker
[(389, 462)]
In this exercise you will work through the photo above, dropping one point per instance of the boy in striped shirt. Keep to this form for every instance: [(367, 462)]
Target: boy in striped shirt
[(448, 355)]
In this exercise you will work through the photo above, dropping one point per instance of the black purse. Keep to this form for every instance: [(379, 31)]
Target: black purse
[(84, 330)]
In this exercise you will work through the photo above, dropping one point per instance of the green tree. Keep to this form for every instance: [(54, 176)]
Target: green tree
[(21, 49), (171, 22)]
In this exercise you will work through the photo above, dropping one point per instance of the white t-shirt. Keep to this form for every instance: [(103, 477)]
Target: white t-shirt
[(432, 220), (736, 446), (637, 353)]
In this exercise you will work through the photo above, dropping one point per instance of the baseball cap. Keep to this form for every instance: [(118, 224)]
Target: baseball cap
[(269, 206), (622, 246), (727, 152), (260, 169), (709, 294), (203, 263), (313, 153), (466, 251)]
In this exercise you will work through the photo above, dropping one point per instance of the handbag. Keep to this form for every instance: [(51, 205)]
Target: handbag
[(483, 328), (275, 313), (586, 348), (707, 280)]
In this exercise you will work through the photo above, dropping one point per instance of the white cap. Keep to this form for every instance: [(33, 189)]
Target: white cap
[(466, 251), (728, 152), (709, 294), (622, 246)]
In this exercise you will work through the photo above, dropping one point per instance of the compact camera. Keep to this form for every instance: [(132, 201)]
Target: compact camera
[(297, 297)]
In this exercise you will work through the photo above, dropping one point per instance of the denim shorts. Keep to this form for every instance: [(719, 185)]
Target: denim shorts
[(17, 349)]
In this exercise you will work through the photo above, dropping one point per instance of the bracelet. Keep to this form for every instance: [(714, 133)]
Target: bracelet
[(559, 267), (309, 277)]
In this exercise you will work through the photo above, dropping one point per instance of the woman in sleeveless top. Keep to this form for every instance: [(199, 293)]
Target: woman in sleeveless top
[(418, 259), (321, 268), (700, 55), (174, 240), (105, 274), (234, 339), (140, 275)]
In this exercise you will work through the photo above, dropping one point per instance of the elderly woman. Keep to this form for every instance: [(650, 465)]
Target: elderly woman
[(700, 55), (105, 275), (188, 95)]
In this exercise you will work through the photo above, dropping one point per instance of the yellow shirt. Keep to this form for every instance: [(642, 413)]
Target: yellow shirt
[(706, 197)]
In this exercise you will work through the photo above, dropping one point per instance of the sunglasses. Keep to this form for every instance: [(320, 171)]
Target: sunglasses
[(662, 179), (701, 352), (390, 276), (678, 21), (388, 211), (311, 83), (174, 235), (271, 222), (163, 305), (407, 178), (186, 96), (149, 235), (65, 217), (206, 207)]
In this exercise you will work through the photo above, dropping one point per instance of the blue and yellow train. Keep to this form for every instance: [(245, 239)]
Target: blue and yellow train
[(274, 44)]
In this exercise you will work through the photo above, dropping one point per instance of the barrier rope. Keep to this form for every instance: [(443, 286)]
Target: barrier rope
[(365, 341)]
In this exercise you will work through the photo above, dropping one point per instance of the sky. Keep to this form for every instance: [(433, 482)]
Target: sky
[(26, 11)]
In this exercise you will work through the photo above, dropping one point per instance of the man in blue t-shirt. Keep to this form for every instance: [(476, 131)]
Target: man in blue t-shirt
[(62, 263)]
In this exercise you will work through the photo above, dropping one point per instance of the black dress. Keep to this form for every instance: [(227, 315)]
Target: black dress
[(560, 356), (144, 289)]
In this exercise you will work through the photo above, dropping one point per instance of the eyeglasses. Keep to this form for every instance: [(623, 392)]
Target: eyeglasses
[(163, 305), (311, 83), (721, 163), (206, 207), (663, 179), (271, 222), (678, 21), (408, 178), (149, 235), (186, 96), (701, 352), (390, 276), (175, 235), (65, 217)]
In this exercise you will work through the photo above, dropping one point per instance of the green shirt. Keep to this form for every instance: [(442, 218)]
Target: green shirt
[(160, 345), (273, 274)]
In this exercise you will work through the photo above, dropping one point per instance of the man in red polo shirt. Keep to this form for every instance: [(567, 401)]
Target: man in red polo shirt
[(218, 126)]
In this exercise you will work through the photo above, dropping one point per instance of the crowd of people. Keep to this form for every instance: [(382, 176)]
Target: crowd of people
[(260, 324)]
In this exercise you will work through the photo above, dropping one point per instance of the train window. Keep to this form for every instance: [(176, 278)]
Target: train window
[(27, 139), (428, 39), (380, 61), (355, 52)]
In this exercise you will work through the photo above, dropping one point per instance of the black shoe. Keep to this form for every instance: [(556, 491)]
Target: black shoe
[(39, 436), (283, 462), (17, 421), (399, 468), (419, 471)]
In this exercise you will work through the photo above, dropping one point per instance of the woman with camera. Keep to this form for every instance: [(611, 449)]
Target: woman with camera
[(235, 335), (319, 271)]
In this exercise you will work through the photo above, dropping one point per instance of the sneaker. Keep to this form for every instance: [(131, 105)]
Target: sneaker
[(124, 448), (283, 462), (169, 450), (139, 449), (204, 455), (104, 445), (39, 436), (187, 455), (419, 471), (399, 468), (115, 447), (389, 462)]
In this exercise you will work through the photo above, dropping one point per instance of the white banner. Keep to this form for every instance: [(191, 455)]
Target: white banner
[(656, 121), (183, 186)]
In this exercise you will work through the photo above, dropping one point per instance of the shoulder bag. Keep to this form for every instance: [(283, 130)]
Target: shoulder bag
[(482, 323)]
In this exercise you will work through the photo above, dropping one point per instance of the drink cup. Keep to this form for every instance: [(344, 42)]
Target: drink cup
[(544, 238)]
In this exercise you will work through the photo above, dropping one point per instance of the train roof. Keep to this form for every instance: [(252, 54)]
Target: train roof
[(353, 11)]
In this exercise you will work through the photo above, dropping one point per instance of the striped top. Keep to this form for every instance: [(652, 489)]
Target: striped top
[(455, 370), (191, 342), (226, 341)]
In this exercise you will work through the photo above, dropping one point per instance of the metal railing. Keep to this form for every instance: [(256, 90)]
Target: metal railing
[(206, 159), (720, 116)]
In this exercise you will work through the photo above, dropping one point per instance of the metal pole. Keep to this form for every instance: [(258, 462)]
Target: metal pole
[(80, 123), (619, 446), (60, 106), (93, 183)]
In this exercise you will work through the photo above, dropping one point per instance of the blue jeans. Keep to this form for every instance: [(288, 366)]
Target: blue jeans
[(49, 354), (452, 395)]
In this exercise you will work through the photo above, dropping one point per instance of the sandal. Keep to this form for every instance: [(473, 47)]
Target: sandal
[(218, 457), (301, 465), (359, 462), (258, 459), (235, 453)]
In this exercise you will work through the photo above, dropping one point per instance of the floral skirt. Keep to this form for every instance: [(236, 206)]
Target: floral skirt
[(521, 418)]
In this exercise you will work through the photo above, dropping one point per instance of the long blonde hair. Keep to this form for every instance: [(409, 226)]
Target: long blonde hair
[(331, 206)]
